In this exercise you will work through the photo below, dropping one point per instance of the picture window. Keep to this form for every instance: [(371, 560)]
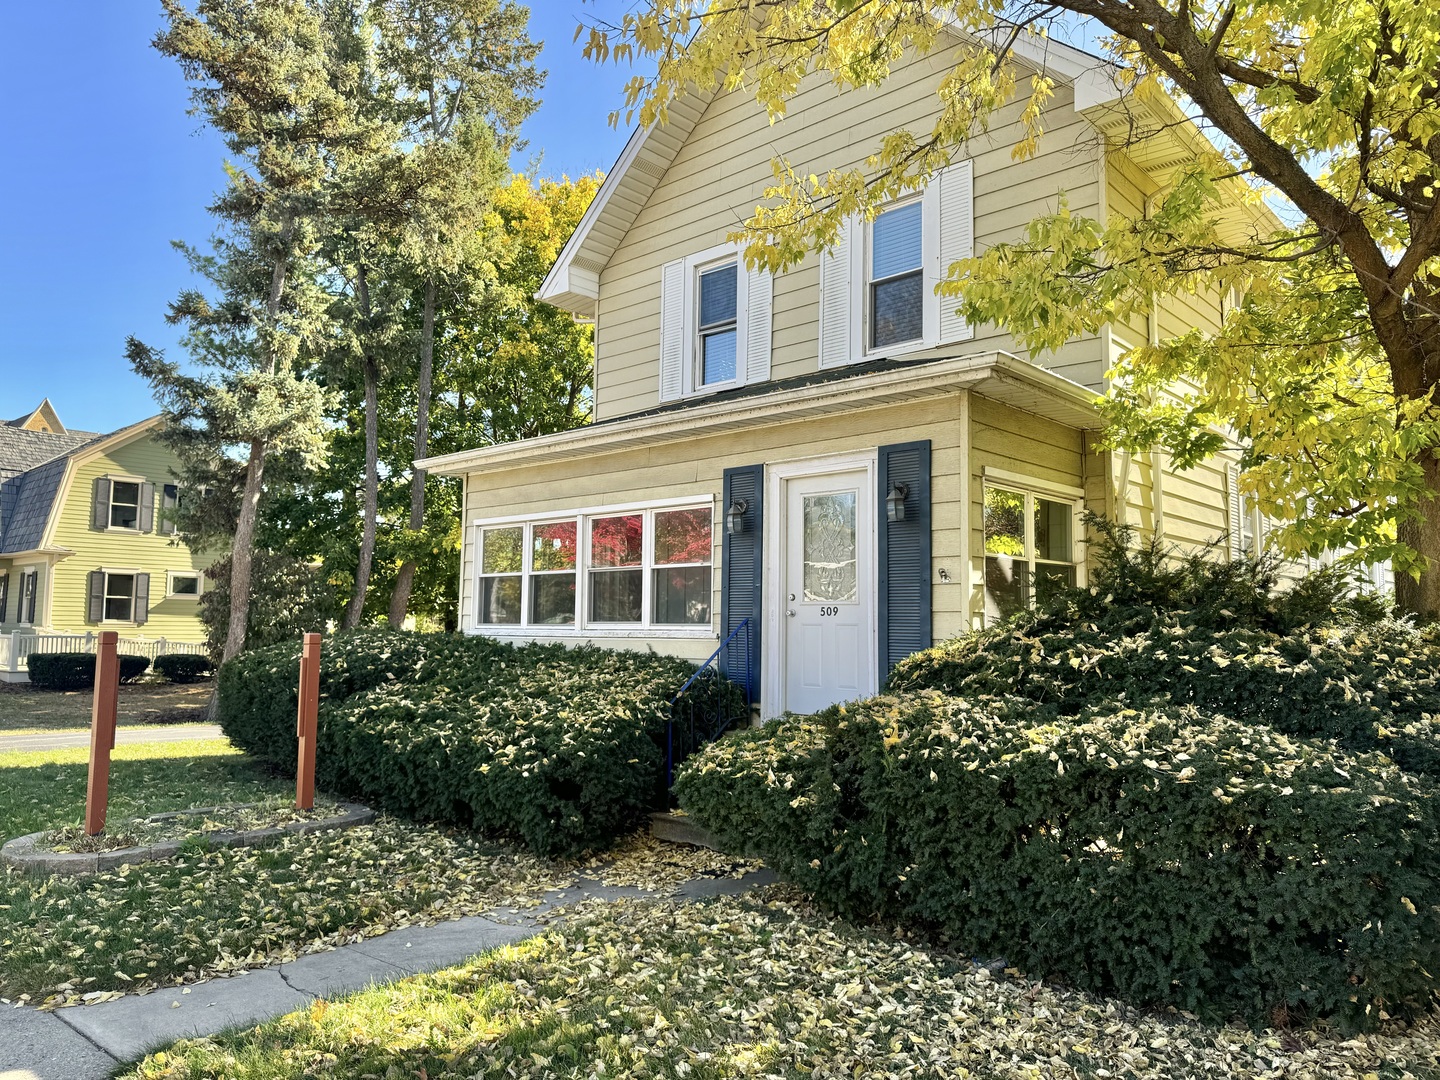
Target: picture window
[(1029, 549)]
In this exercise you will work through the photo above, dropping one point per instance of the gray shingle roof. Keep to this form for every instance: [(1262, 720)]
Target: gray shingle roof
[(21, 449), (32, 464)]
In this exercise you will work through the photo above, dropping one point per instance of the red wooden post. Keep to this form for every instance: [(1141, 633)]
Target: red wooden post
[(305, 722), (102, 730)]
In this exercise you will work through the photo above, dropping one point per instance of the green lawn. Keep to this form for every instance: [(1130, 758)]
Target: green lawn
[(748, 988), (207, 912), (26, 709)]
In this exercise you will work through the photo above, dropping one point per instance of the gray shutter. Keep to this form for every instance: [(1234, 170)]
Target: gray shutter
[(147, 508), (95, 590), (672, 330), (904, 555), (957, 241), (742, 575), (142, 599), (100, 504), (836, 316), (1232, 482)]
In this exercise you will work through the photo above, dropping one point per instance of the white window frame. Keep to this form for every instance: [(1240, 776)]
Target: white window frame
[(108, 571), (171, 575), (583, 626), (139, 482), (691, 384), (30, 572), (1033, 489), (861, 314)]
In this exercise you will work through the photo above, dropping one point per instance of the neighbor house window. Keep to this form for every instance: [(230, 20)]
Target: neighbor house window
[(642, 567), (895, 282), (4, 595), (29, 587), (501, 559), (1029, 549), (169, 502), (125, 504), (182, 584), (717, 300), (119, 597)]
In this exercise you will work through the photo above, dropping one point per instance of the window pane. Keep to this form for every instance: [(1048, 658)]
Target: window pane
[(500, 600), (125, 504), (185, 586), (829, 548), (683, 536), (1052, 531), (616, 596), (1050, 580), (1004, 522), (552, 599), (717, 357), (717, 295), (898, 310), (616, 541), (500, 550), (554, 546), (118, 608), (681, 594), (1007, 586), (895, 244)]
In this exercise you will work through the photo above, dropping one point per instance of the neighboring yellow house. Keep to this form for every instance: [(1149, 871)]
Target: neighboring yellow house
[(86, 542), (829, 457)]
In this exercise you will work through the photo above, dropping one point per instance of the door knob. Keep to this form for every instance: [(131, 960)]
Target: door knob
[(790, 612)]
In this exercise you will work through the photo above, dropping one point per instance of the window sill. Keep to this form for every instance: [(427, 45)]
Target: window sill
[(696, 632)]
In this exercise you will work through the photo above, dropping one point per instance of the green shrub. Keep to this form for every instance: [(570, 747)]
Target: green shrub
[(1221, 867), (184, 667), (559, 747), (76, 670)]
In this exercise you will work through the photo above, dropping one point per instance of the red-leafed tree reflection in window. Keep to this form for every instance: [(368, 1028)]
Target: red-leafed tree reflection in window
[(680, 587), (617, 541), (617, 577)]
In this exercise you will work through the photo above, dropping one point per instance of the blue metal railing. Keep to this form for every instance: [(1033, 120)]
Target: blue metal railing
[(710, 701)]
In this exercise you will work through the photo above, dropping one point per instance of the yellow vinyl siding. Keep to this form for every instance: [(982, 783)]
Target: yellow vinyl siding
[(720, 173), (153, 553)]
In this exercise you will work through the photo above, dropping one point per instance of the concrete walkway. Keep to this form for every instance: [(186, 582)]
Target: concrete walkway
[(89, 1042), (66, 740)]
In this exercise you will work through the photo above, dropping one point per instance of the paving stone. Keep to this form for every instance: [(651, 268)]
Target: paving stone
[(40, 1046), (705, 888), (334, 974), (130, 1026), (429, 948)]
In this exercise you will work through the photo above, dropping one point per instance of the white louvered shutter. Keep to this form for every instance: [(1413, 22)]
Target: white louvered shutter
[(672, 330), (759, 296), (957, 240), (1232, 483), (836, 317)]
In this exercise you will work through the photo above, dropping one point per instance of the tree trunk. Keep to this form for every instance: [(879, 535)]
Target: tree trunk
[(370, 510), (242, 554), (1422, 535), (405, 579)]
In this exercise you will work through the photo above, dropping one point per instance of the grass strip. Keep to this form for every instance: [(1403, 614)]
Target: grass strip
[(747, 988)]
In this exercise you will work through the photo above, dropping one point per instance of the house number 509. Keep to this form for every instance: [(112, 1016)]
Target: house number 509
[(829, 609)]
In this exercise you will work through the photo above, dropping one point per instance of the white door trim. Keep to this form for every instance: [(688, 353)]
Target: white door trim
[(777, 476)]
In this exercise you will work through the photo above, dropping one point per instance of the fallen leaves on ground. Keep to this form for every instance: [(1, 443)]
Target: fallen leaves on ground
[(207, 913), (277, 811), (746, 987), (642, 861)]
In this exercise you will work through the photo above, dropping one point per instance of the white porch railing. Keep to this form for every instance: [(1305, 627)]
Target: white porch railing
[(16, 648)]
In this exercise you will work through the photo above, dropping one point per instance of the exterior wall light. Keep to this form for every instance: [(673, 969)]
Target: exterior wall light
[(895, 502), (735, 517)]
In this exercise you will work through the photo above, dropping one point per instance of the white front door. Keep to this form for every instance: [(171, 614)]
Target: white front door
[(827, 591)]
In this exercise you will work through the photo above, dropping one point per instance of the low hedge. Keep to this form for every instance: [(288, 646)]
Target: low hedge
[(184, 667), (1221, 867), (561, 748), (76, 670)]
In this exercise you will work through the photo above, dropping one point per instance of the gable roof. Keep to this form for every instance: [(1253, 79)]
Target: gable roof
[(42, 418), (33, 464), (573, 282)]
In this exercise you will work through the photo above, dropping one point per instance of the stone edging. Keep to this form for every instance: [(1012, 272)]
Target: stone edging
[(24, 854)]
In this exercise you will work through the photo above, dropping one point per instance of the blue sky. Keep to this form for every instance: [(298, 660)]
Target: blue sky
[(104, 169)]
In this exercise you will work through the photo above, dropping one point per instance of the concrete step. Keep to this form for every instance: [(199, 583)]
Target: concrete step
[(679, 828)]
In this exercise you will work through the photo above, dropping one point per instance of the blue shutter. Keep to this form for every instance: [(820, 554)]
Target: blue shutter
[(904, 556), (742, 574)]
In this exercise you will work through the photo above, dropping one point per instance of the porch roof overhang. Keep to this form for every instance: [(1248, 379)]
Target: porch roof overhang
[(1000, 376)]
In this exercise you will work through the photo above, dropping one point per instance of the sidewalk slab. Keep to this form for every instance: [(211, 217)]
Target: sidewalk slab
[(429, 948), (337, 973), (70, 740), (40, 1046), (129, 1027)]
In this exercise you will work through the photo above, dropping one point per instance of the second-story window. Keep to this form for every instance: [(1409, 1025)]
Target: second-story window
[(717, 293), (125, 505), (895, 281)]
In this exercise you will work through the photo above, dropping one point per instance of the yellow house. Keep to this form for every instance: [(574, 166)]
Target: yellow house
[(827, 468), (86, 539)]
